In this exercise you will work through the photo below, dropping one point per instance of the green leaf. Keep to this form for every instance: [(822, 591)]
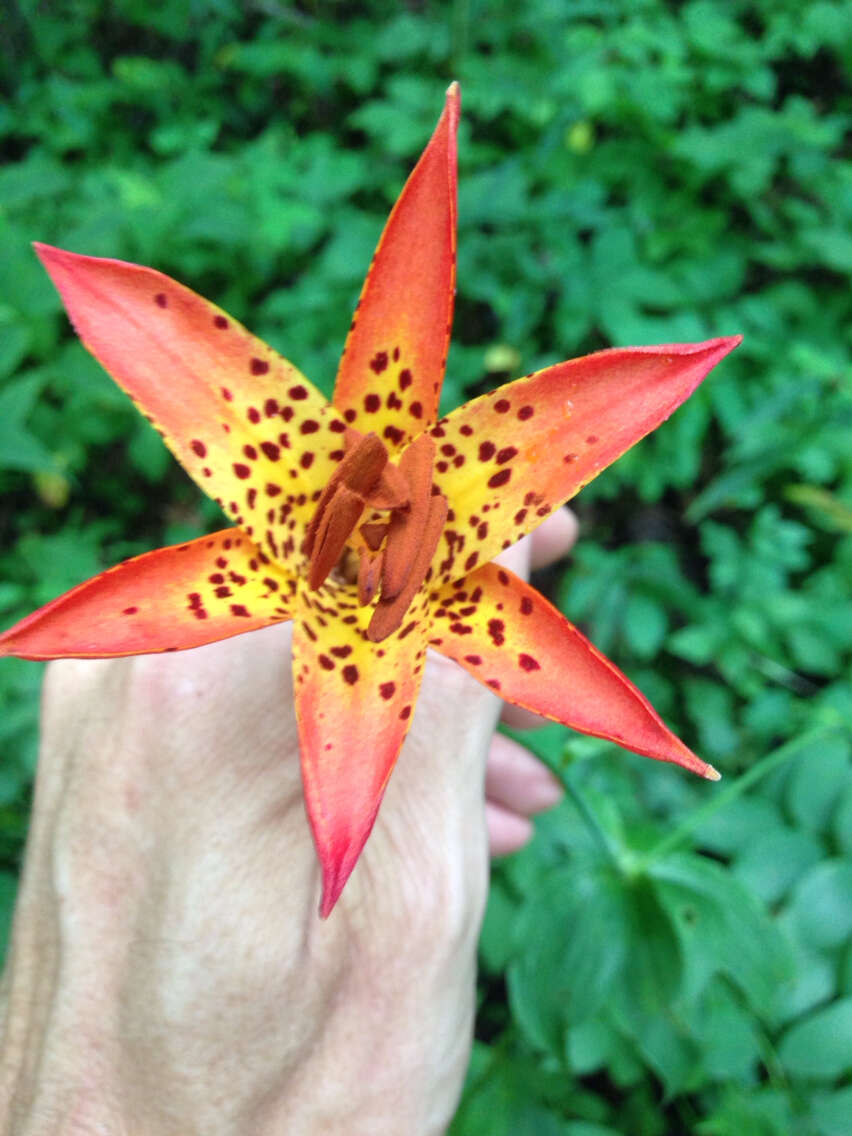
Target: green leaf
[(575, 933), (820, 1045), (19, 449), (821, 906), (773, 861), (830, 1112), (722, 927)]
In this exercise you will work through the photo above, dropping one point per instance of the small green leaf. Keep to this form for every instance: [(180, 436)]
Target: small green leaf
[(820, 1045)]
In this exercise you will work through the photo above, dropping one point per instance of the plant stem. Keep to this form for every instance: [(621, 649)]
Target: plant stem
[(722, 798)]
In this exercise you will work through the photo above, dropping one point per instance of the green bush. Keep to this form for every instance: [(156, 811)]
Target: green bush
[(667, 957)]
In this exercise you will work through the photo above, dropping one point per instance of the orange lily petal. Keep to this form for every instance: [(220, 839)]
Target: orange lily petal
[(177, 597), (508, 459), (354, 702), (509, 637), (393, 363), (244, 423)]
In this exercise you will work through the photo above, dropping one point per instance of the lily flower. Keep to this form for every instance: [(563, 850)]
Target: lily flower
[(369, 522)]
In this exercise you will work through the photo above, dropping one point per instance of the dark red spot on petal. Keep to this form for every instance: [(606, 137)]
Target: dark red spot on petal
[(130, 611), (226, 394), (242, 471), (253, 415), (506, 454), (270, 408), (592, 438), (528, 663), (526, 412), (405, 379), (526, 605), (309, 427), (297, 393), (502, 405), (258, 366), (325, 662), (499, 478), (387, 690), (306, 460), (161, 300), (350, 674), (474, 660), (379, 362), (238, 609), (416, 410), (220, 322), (466, 430), (486, 451), (405, 713), (250, 452), (372, 402), (271, 450), (198, 448)]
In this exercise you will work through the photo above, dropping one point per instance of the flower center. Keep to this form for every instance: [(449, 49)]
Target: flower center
[(395, 545)]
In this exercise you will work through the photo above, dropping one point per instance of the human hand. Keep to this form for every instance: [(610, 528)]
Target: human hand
[(168, 971)]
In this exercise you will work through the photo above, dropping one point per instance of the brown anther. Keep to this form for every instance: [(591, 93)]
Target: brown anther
[(360, 470), (388, 613), (335, 527), (405, 529)]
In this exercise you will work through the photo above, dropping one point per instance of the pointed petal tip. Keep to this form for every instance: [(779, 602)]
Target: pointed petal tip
[(47, 252), (454, 92), (712, 774), (334, 879), (728, 342)]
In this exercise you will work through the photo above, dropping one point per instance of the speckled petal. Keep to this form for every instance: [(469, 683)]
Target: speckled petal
[(244, 423), (510, 638), (393, 363), (354, 702), (178, 597), (508, 459)]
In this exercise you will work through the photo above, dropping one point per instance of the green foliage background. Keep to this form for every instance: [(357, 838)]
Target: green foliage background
[(668, 956)]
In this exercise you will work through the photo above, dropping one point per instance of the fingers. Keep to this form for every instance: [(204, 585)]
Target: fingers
[(517, 718), (554, 539), (517, 785), (507, 831)]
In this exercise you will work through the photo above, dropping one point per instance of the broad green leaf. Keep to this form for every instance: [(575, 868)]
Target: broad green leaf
[(819, 1047), (576, 934)]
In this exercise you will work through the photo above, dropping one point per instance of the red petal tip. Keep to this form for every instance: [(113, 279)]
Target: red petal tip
[(334, 878)]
